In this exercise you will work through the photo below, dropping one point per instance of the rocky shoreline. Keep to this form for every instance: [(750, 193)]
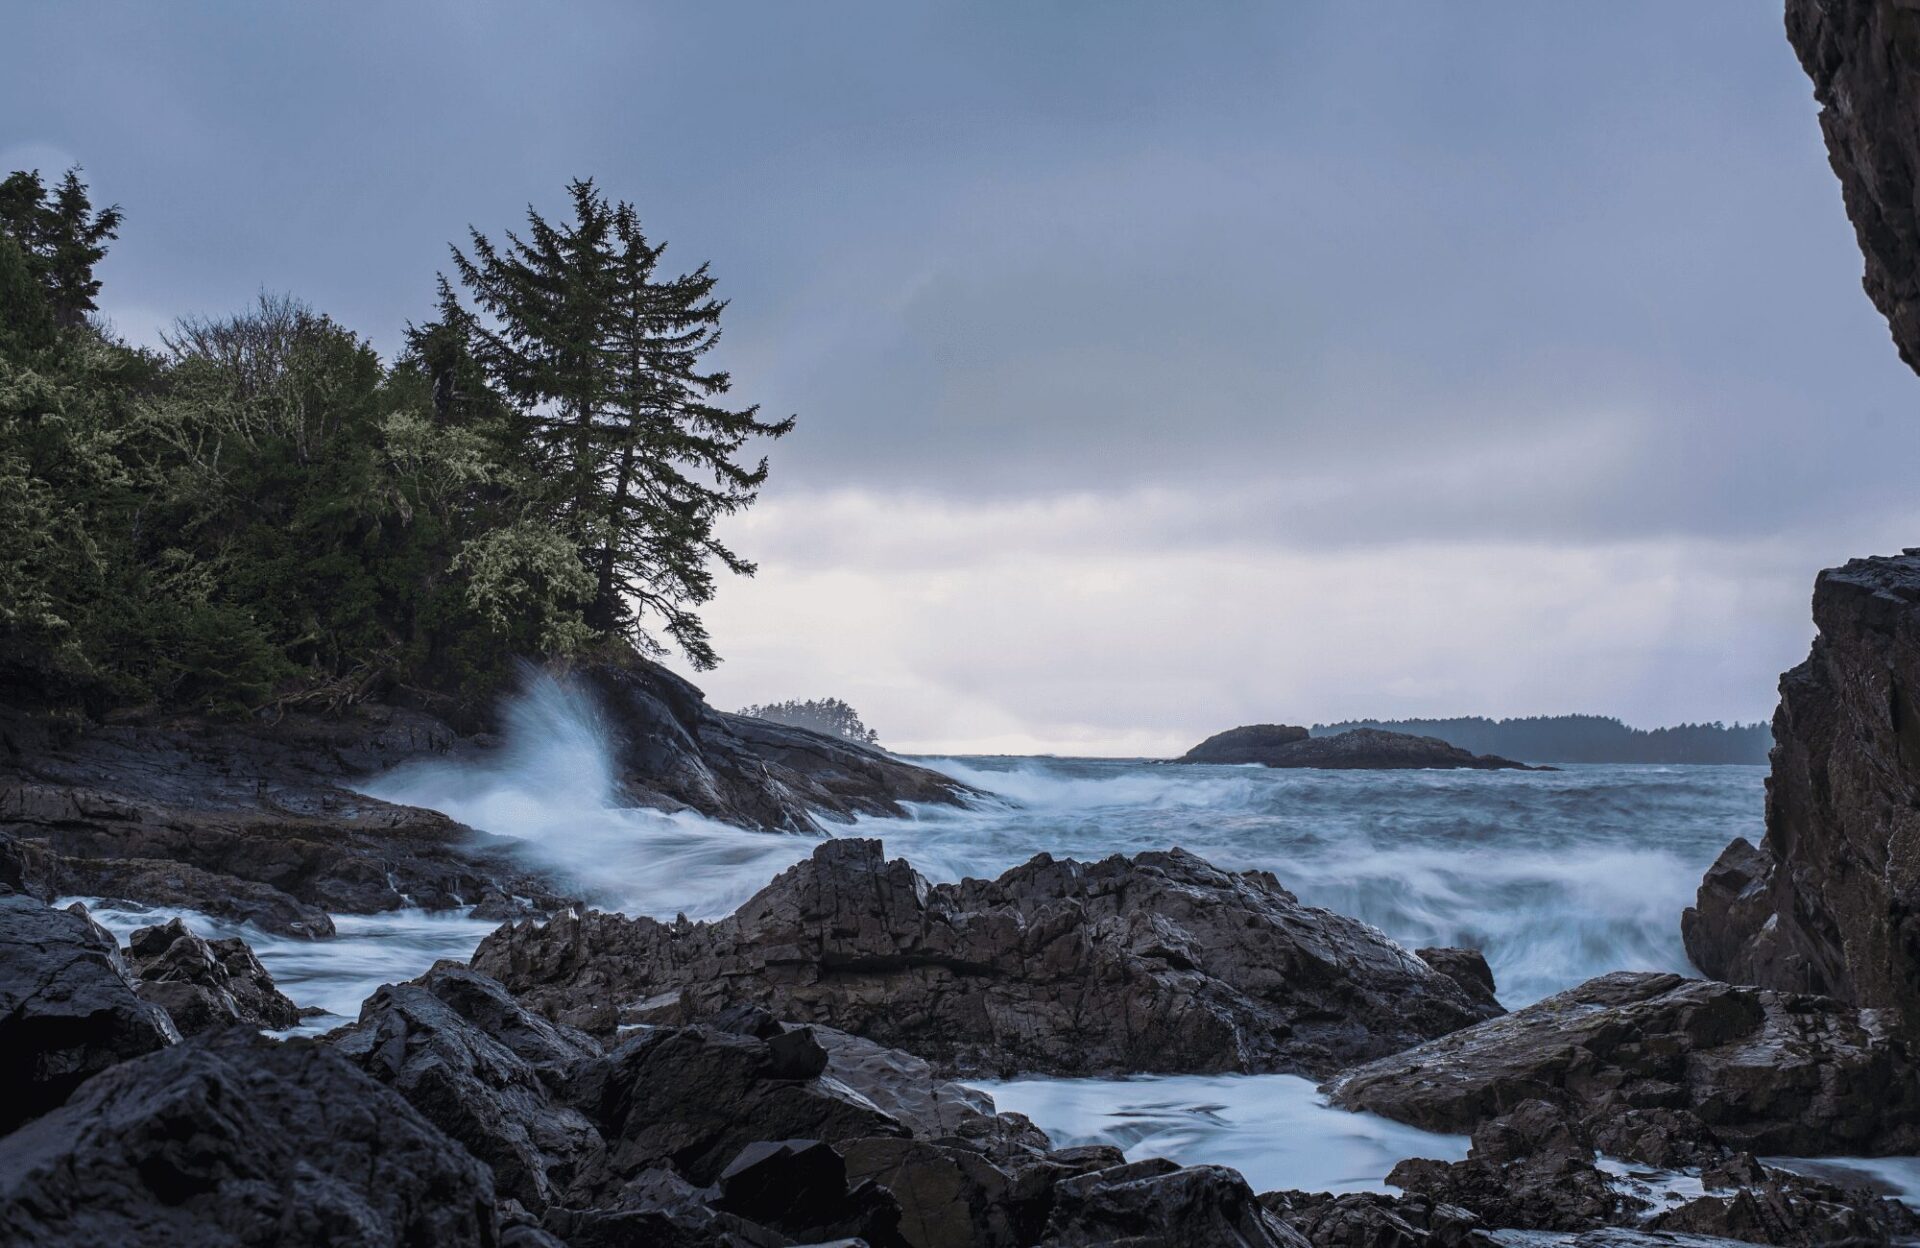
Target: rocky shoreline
[(1357, 749)]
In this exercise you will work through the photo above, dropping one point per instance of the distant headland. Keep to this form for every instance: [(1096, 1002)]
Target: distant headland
[(1582, 738)]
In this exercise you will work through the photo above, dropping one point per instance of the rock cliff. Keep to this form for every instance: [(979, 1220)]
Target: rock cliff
[(1829, 902), (1864, 59)]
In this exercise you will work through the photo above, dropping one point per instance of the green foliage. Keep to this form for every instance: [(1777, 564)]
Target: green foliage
[(265, 512), (601, 360)]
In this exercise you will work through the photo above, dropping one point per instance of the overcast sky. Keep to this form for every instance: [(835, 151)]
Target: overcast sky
[(1159, 367)]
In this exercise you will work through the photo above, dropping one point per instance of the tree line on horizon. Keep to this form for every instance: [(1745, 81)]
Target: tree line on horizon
[(831, 716), (1583, 738), (263, 511)]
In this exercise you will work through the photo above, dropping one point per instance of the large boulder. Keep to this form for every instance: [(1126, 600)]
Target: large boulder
[(1154, 963), (231, 1139), (485, 1071), (1650, 1057), (1829, 902), (1864, 59), (204, 984), (1357, 749), (68, 1007)]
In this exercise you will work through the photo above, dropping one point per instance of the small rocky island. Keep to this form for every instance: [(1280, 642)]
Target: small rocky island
[(1359, 749)]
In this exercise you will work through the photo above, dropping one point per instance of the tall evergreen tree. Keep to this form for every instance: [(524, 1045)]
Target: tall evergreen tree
[(605, 361), (62, 236)]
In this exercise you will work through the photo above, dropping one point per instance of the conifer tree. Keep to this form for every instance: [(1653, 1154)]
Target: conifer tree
[(604, 360), (63, 238)]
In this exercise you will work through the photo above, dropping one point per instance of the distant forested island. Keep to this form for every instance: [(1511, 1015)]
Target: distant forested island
[(1583, 738)]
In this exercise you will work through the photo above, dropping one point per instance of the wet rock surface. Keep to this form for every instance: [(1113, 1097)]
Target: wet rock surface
[(1372, 1220), (1829, 902), (259, 821), (1672, 1058), (69, 1008), (675, 751), (230, 1139), (1155, 963), (482, 1070), (203, 984), (1359, 749)]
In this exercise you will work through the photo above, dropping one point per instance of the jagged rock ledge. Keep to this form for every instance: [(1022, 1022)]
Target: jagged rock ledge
[(1159, 962)]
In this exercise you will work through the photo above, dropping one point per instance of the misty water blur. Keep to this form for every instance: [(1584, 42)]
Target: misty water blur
[(551, 785), (1558, 876), (1276, 1130)]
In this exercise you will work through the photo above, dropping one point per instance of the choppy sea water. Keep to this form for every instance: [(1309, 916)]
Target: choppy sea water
[(1557, 876)]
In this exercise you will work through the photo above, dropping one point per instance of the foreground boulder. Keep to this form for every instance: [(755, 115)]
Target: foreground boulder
[(1154, 963), (231, 1139), (1829, 902), (204, 984), (1357, 749), (484, 1071), (1652, 1062), (1157, 1203), (68, 1007)]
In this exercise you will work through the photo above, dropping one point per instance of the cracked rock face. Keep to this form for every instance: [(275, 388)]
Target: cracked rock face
[(68, 1007), (1155, 963), (1829, 902)]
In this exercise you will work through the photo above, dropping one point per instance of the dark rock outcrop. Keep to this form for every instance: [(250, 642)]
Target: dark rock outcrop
[(68, 1007), (486, 1072), (266, 804), (1655, 1059), (1467, 968), (203, 984), (1155, 963), (259, 821), (1535, 1169), (1829, 902), (1157, 1203), (1358, 749), (1864, 59), (676, 752), (231, 1139), (1373, 1220)]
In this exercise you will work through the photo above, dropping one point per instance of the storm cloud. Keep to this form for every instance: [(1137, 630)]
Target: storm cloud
[(1158, 367)]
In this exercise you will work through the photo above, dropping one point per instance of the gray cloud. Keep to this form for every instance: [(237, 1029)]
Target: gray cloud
[(1294, 284)]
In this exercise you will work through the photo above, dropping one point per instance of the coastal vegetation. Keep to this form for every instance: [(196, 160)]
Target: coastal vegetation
[(264, 511)]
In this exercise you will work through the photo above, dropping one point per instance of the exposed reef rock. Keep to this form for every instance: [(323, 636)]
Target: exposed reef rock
[(259, 821), (1155, 963), (68, 1007), (1650, 1064), (1864, 59), (229, 1139), (675, 751), (203, 984), (1358, 749), (1829, 902)]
